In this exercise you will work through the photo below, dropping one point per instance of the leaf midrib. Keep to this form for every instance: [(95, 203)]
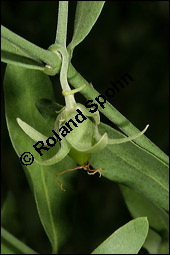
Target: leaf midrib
[(54, 240)]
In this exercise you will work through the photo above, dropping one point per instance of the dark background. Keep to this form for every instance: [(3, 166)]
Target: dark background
[(129, 37)]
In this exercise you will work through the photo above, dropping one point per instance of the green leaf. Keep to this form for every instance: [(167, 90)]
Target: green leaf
[(87, 13), (11, 245), (133, 166), (23, 88), (139, 206), (126, 240), (16, 50)]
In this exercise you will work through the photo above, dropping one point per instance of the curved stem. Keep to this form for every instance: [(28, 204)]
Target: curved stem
[(61, 38), (69, 98)]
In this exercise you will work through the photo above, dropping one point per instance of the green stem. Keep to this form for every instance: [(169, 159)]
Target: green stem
[(61, 33), (61, 38), (31, 49), (15, 243)]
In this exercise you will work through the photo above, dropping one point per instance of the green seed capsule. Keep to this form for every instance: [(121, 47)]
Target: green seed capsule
[(80, 157)]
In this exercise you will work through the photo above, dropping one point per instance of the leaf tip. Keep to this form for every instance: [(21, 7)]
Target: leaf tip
[(19, 121)]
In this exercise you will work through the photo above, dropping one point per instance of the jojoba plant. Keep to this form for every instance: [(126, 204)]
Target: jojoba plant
[(83, 140), (73, 137)]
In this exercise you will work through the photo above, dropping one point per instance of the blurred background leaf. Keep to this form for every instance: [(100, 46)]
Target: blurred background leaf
[(11, 245), (10, 211), (155, 244)]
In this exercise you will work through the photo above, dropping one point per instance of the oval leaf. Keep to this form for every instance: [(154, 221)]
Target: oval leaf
[(87, 13), (23, 88), (127, 239)]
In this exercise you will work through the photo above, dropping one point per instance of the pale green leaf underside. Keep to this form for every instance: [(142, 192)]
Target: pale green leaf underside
[(126, 240)]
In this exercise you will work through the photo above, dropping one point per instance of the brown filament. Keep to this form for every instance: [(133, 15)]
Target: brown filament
[(84, 167)]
